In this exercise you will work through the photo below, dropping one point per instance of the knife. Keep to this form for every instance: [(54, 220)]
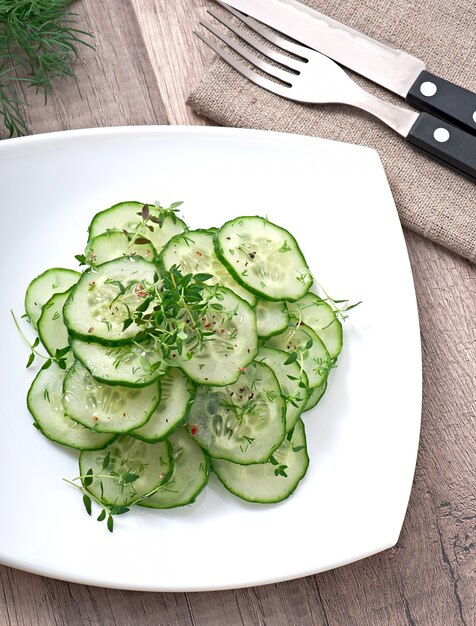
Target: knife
[(393, 69)]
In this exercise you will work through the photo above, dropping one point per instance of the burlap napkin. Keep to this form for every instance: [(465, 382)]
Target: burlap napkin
[(431, 199)]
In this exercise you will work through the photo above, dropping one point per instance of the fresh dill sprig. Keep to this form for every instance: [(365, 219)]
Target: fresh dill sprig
[(39, 42)]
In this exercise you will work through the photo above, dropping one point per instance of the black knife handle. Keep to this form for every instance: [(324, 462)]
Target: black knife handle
[(449, 144), (445, 100)]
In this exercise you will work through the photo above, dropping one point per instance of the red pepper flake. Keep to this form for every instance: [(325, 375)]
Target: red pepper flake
[(140, 291), (242, 369), (194, 429), (222, 330)]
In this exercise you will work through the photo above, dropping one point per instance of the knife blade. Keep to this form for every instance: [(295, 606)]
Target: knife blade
[(393, 69)]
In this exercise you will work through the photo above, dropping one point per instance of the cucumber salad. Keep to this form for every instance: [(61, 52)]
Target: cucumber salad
[(172, 353)]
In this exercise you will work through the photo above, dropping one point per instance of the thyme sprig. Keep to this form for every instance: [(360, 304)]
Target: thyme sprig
[(150, 220), (107, 472), (59, 357), (179, 312), (39, 42), (340, 307), (151, 217)]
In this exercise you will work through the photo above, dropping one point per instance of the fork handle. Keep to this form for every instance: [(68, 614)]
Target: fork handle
[(447, 143)]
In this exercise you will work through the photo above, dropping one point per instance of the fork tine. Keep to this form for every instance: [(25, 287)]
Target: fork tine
[(244, 70), (266, 50), (273, 71), (289, 46)]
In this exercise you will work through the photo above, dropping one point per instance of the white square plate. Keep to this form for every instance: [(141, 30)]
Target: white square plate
[(362, 437)]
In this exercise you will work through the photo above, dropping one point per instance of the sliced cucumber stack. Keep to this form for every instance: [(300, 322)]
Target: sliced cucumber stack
[(311, 354), (41, 288), (104, 298), (177, 395), (264, 258), (233, 343), (193, 252), (133, 365), (272, 318), (243, 422), (105, 408), (126, 471), (320, 316), (128, 216), (272, 481), (114, 244), (178, 352), (51, 327), (45, 403), (189, 475), (292, 380), (315, 396)]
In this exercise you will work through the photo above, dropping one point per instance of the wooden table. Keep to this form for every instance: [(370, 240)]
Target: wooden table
[(145, 63)]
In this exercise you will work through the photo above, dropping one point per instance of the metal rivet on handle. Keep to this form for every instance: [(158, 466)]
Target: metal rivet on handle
[(474, 117), (428, 88), (441, 135)]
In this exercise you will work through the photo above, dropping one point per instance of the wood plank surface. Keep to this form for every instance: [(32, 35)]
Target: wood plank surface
[(145, 63)]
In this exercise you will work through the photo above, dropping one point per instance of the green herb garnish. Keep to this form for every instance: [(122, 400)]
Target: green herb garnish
[(38, 43)]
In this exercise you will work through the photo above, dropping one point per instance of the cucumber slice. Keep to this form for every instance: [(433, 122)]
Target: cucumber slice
[(272, 318), (317, 314), (135, 365), (127, 216), (293, 382), (51, 327), (264, 258), (194, 253), (310, 351), (41, 288), (177, 394), (44, 402), (219, 359), (315, 396), (189, 475), (243, 422), (105, 297), (126, 471), (114, 244), (106, 408), (272, 481)]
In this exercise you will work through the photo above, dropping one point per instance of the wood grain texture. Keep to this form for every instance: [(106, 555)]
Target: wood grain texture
[(115, 84), (147, 61)]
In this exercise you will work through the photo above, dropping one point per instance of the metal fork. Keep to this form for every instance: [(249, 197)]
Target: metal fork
[(311, 77)]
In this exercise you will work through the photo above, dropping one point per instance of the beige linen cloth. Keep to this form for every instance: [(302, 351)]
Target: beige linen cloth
[(431, 199)]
